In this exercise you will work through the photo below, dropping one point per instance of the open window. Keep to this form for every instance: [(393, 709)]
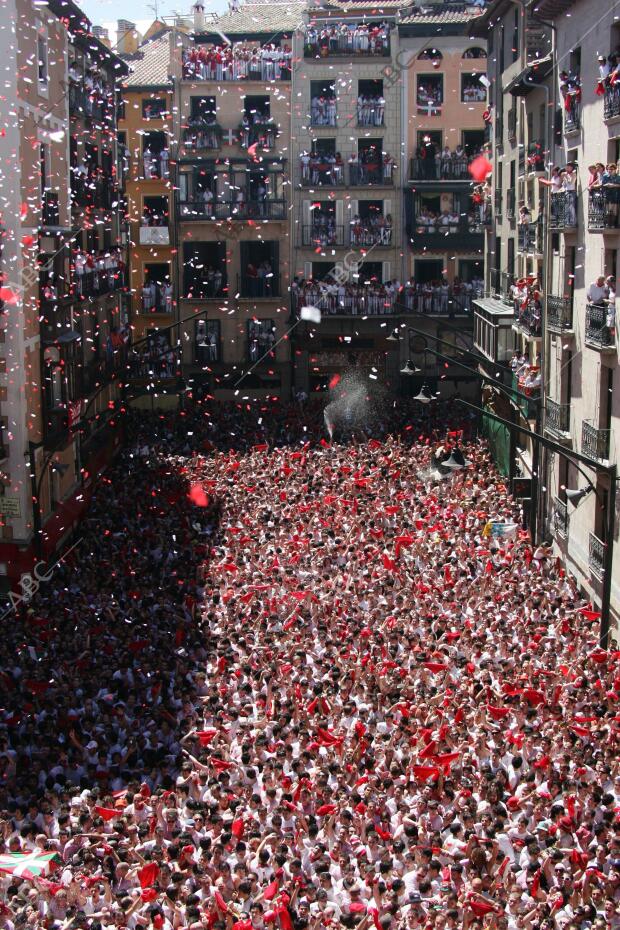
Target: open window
[(426, 270), (259, 269), (369, 168), (430, 93), (473, 141), (156, 288), (154, 108), (208, 341), (322, 103), (370, 273), (155, 211), (475, 52), (472, 88), (202, 109), (204, 270), (370, 103), (155, 155), (257, 108), (261, 340)]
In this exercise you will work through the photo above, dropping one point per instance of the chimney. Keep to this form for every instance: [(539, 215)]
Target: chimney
[(126, 37), (199, 16), (102, 34)]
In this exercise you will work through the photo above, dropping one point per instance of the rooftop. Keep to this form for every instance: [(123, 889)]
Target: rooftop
[(266, 20), (151, 67)]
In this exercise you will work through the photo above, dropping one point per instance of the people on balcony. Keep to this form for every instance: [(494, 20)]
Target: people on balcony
[(602, 293), (446, 221), (323, 110), (609, 73), (257, 128), (570, 89), (444, 164), (155, 164), (202, 132), (347, 38), (237, 62), (376, 298), (321, 169), (151, 217), (370, 110), (323, 230), (562, 183), (89, 92), (474, 92), (430, 98), (370, 166), (98, 273), (375, 230)]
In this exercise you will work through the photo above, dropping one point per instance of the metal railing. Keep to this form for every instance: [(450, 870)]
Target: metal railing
[(611, 102), (98, 283), (369, 303), (438, 169), (379, 173), (322, 236), (528, 318), (497, 202), (536, 155), (511, 124), (433, 235), (501, 283), (511, 199), (230, 209), (212, 288), (367, 237), (604, 208), (322, 174), (596, 556), (595, 441), (572, 113), (598, 332), (559, 313), (530, 405), (202, 138), (238, 69), (560, 517), (259, 287), (530, 238), (346, 43), (99, 193), (263, 135), (563, 210), (371, 115), (557, 418)]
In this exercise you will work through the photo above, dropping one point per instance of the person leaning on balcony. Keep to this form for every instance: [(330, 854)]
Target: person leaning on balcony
[(611, 185), (597, 292), (525, 215)]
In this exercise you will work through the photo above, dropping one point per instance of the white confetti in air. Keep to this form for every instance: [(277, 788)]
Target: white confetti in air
[(310, 314)]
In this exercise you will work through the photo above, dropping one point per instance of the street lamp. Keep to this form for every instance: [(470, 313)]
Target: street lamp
[(425, 396), (576, 495), (409, 369)]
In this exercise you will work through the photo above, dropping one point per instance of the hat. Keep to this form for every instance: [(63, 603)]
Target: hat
[(414, 897), (91, 745)]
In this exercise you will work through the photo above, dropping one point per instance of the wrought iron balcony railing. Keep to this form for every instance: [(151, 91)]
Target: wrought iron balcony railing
[(595, 441)]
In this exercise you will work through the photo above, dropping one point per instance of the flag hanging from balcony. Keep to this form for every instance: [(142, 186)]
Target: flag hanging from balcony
[(500, 530), (29, 865)]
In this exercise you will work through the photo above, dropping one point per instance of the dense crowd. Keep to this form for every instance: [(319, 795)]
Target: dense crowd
[(347, 39), (283, 682), (371, 297), (238, 62)]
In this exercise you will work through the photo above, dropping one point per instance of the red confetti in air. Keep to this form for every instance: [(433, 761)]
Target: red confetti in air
[(334, 381), (480, 168), (9, 296), (197, 496)]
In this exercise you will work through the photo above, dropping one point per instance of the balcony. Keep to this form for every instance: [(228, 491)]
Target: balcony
[(263, 65), (322, 237), (233, 210), (347, 42), (97, 193), (595, 442), (529, 406), (262, 135), (512, 125), (320, 172), (85, 105), (511, 199), (501, 286), (603, 208), (557, 419), (437, 169), (202, 137), (154, 235), (323, 113), (368, 301), (599, 333), (572, 113), (95, 284), (559, 517), (535, 156), (611, 102), (372, 173), (497, 202), (596, 556), (529, 319), (457, 233), (157, 298), (559, 313), (363, 236), (563, 210), (531, 238), (371, 115), (263, 288)]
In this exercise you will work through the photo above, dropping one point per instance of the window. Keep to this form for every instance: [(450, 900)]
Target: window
[(431, 54), (202, 109), (261, 339), (370, 103), (322, 103), (155, 155), (430, 93), (208, 336), (259, 269), (156, 289), (475, 52), (515, 34), (154, 108), (154, 212), (42, 62), (204, 270), (472, 90)]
